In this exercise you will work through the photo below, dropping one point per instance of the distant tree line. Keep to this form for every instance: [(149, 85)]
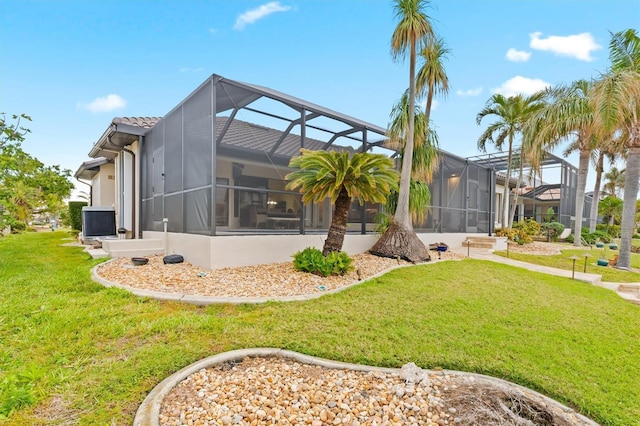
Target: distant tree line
[(26, 184)]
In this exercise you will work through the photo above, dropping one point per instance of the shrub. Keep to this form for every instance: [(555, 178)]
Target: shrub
[(507, 232), (550, 215), (17, 226), (311, 260), (75, 214), (551, 230), (614, 230), (383, 220), (601, 236), (525, 230), (592, 238)]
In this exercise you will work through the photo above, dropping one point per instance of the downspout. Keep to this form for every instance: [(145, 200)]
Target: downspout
[(114, 148), (90, 191), (133, 191)]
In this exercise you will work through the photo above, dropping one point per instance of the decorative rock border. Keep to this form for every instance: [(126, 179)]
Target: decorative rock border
[(148, 414)]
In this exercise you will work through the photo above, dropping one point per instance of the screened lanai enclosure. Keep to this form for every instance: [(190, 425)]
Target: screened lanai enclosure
[(535, 195), (216, 165)]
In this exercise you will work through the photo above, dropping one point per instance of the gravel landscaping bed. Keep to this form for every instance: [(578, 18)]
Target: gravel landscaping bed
[(269, 280), (537, 247), (282, 391)]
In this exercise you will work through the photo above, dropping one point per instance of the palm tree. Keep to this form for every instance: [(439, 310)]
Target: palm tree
[(341, 177), (616, 101), (569, 114), (609, 147), (410, 34), (615, 181), (425, 158), (432, 78), (611, 208), (23, 200), (512, 113)]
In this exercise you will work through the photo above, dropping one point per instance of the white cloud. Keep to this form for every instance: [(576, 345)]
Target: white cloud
[(213, 30), (253, 15), (521, 85), (434, 104), (470, 92), (578, 46), (515, 55), (105, 104)]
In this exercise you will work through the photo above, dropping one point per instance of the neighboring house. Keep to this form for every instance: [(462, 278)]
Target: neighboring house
[(215, 166)]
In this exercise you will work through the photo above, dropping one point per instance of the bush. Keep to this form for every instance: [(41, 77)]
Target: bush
[(75, 214), (592, 238), (383, 220), (551, 230), (311, 260), (17, 226), (525, 230), (614, 230), (601, 236)]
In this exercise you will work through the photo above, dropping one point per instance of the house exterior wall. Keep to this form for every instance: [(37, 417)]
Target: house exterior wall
[(234, 250), (103, 187)]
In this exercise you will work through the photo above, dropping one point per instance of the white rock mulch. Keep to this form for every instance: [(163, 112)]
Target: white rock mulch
[(268, 280)]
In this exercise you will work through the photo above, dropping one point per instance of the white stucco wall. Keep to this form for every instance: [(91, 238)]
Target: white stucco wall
[(103, 187), (223, 251)]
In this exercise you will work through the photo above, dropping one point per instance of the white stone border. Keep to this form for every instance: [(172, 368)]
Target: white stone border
[(148, 413)]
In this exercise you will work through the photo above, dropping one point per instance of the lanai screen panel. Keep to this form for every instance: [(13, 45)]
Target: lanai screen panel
[(198, 137), (173, 152), (568, 195), (223, 130), (461, 197)]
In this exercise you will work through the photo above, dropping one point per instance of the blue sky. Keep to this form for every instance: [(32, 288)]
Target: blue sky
[(74, 65)]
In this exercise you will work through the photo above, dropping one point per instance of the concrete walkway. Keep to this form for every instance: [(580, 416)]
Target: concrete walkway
[(628, 291)]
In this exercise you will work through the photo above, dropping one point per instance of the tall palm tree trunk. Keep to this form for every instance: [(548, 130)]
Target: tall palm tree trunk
[(427, 108), (583, 169), (593, 214), (506, 191), (515, 197), (402, 217), (400, 240), (338, 228), (629, 203)]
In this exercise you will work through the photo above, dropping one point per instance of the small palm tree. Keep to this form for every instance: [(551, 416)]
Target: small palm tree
[(609, 147), (610, 208), (22, 201), (341, 177), (615, 181)]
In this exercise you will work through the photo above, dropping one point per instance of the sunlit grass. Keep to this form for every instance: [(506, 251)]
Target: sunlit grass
[(564, 261), (90, 355)]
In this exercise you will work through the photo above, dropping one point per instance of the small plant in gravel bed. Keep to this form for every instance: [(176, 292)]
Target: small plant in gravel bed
[(311, 260), (551, 230)]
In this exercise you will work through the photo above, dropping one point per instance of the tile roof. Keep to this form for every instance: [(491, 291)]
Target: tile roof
[(252, 136), (146, 122)]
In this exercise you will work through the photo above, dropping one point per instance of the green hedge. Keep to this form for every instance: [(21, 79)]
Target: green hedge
[(75, 214)]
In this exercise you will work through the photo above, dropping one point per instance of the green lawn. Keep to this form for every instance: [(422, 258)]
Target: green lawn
[(563, 261), (74, 352)]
